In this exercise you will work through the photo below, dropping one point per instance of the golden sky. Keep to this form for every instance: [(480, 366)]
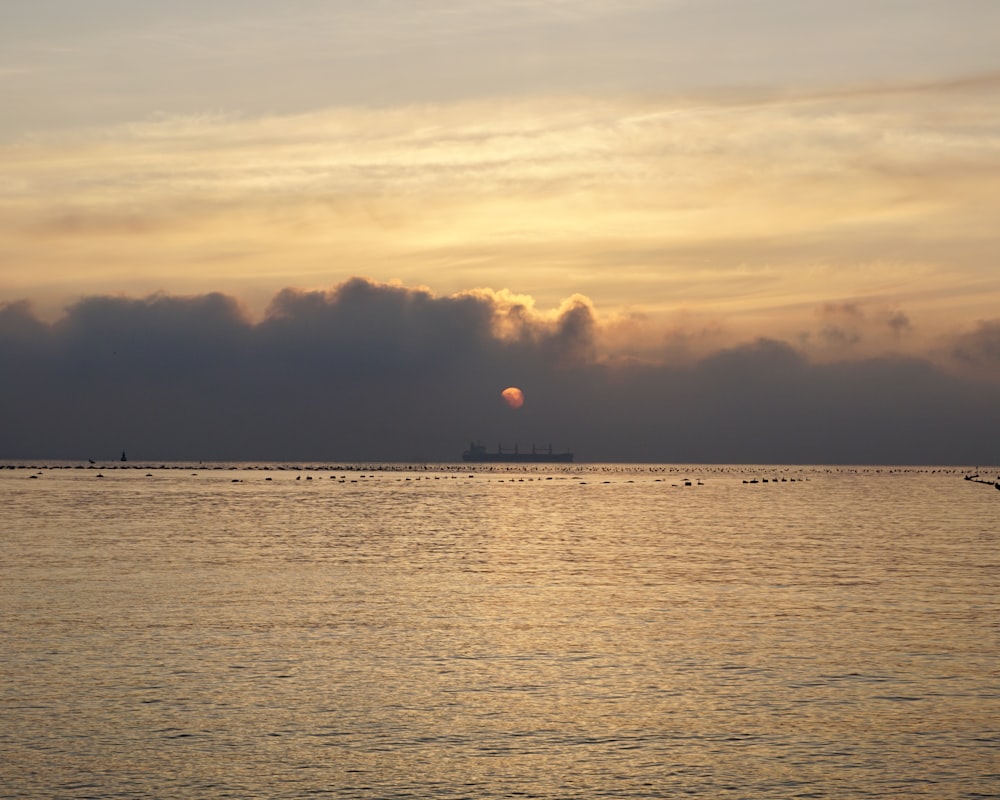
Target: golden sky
[(711, 171)]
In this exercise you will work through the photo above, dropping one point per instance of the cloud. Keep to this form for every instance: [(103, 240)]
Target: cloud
[(981, 346), (898, 322), (742, 204), (851, 328), (375, 371)]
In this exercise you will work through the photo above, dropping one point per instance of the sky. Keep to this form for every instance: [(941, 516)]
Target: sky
[(688, 230)]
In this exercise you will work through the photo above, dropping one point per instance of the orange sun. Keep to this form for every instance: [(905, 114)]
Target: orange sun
[(513, 396)]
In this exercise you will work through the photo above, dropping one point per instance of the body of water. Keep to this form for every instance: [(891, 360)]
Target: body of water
[(583, 631)]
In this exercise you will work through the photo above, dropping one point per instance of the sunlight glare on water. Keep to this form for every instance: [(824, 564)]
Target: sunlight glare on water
[(584, 631)]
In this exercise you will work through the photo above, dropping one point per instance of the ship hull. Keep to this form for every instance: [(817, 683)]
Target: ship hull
[(518, 458)]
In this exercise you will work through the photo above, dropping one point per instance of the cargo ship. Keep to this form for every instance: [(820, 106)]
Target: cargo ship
[(477, 452)]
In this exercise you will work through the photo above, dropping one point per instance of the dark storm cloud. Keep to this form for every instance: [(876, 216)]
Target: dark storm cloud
[(573, 340), (373, 372), (362, 328)]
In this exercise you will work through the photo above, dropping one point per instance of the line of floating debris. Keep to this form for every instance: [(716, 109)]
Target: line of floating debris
[(976, 479)]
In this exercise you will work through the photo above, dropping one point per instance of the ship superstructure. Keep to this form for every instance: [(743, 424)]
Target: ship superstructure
[(478, 452)]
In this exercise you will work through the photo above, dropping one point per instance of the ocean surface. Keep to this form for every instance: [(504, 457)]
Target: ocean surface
[(447, 631)]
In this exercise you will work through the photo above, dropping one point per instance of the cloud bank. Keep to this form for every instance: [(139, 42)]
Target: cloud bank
[(370, 371)]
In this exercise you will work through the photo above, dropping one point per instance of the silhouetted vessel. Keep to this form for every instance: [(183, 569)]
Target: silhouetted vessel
[(477, 452)]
